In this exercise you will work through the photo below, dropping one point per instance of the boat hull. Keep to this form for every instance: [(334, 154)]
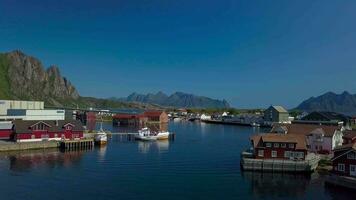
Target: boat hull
[(159, 136)]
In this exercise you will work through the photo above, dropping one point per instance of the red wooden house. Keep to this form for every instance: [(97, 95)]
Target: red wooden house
[(279, 146), (344, 160), (31, 131)]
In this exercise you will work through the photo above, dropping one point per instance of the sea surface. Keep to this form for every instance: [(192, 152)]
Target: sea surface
[(202, 162)]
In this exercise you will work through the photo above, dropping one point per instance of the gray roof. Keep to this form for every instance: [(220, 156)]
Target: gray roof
[(22, 126), (280, 109)]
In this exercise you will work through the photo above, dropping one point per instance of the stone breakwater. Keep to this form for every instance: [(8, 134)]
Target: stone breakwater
[(16, 146)]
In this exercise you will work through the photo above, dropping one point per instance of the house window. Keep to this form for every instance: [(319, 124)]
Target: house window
[(300, 154), (260, 153), (55, 135), (276, 145), (341, 167), (291, 146), (68, 128), (351, 155), (268, 144), (274, 154), (287, 154), (33, 136), (283, 145)]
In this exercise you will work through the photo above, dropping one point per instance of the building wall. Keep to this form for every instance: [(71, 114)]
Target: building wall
[(272, 115), (37, 114), (12, 104), (280, 153), (343, 160), (164, 118), (45, 135), (283, 117), (319, 146), (5, 134)]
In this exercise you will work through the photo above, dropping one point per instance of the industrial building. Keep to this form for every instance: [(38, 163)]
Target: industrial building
[(14, 104)]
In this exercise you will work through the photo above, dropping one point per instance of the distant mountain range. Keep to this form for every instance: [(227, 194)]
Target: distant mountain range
[(344, 103), (23, 77), (177, 99)]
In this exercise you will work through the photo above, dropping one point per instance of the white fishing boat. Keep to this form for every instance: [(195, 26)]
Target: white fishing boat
[(101, 137), (146, 134)]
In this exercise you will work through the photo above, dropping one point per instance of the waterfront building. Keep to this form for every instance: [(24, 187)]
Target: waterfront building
[(124, 119), (34, 131), (344, 160), (320, 138), (279, 146), (156, 116), (276, 114), (140, 119), (5, 130), (14, 104), (32, 114)]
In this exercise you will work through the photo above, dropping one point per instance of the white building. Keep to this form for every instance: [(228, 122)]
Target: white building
[(13, 104), (30, 114)]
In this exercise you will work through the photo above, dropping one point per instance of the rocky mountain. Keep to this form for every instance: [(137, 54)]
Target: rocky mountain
[(24, 77), (177, 99), (341, 103)]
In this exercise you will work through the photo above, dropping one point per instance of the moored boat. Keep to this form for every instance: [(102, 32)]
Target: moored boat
[(101, 137), (146, 134)]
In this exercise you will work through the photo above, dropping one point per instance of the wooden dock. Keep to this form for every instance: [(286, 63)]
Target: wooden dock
[(69, 145)]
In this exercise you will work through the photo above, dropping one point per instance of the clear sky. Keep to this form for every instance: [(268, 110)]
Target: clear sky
[(252, 53)]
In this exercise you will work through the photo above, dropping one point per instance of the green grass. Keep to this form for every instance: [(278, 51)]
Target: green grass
[(4, 79)]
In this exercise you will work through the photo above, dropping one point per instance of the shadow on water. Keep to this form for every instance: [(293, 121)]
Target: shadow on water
[(25, 161), (270, 184)]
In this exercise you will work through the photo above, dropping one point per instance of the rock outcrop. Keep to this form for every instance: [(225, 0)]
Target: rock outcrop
[(28, 79)]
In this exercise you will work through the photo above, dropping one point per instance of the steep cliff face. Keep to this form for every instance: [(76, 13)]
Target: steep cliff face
[(26, 78)]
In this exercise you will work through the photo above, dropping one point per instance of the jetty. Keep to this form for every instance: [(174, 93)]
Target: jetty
[(68, 145)]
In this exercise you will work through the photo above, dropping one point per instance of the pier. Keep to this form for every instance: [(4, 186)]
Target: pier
[(69, 145)]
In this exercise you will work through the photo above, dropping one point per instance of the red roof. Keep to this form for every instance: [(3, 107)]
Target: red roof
[(153, 113)]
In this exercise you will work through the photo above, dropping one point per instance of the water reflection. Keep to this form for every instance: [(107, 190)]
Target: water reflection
[(147, 146), (101, 152), (25, 161), (276, 185)]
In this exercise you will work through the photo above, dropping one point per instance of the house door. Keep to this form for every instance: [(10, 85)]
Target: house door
[(352, 170)]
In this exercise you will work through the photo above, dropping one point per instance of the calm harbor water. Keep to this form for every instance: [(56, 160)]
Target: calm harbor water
[(202, 162)]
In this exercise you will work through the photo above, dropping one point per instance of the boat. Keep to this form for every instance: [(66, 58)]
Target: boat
[(254, 124), (100, 137), (147, 135)]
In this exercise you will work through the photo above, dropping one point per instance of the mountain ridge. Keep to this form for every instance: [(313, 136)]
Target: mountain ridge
[(344, 103), (177, 99), (23, 77)]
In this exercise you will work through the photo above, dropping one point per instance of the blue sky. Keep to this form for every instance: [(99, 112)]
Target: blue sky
[(252, 53)]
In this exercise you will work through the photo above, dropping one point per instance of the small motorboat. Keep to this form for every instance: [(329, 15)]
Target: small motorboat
[(101, 137), (146, 134)]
